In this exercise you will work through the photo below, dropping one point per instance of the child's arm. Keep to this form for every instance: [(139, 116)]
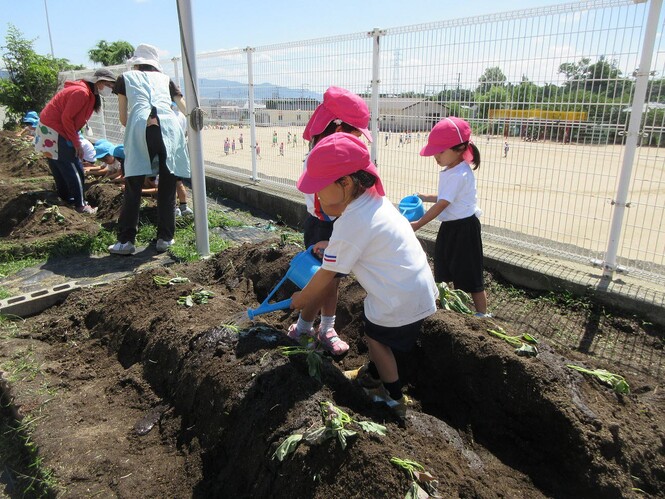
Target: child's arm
[(313, 290), (428, 198), (431, 214)]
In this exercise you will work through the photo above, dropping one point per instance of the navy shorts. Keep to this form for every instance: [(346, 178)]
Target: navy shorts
[(401, 338), (458, 254)]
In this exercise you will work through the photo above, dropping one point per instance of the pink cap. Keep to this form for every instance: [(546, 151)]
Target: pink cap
[(447, 133), (339, 104), (334, 157)]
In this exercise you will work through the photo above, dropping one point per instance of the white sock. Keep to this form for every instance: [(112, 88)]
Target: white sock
[(327, 322), (303, 326)]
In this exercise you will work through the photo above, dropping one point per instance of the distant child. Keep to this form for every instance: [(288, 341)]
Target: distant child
[(458, 253), (377, 244), (281, 148), (258, 150), (506, 148), (31, 119), (340, 111)]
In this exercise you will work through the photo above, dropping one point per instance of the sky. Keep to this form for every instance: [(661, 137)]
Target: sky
[(77, 26)]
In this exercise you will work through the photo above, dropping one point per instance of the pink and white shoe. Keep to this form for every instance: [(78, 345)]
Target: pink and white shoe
[(295, 335), (333, 343)]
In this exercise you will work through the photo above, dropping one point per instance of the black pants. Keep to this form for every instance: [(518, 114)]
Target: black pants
[(68, 174), (129, 216)]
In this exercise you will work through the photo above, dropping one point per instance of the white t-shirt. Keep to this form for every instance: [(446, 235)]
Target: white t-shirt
[(88, 150), (376, 243), (458, 186)]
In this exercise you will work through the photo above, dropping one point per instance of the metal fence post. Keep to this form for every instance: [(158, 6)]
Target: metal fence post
[(632, 135), (194, 142), (252, 117), (175, 70), (376, 33)]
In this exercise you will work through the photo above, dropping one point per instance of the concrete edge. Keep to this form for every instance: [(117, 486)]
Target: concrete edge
[(35, 302)]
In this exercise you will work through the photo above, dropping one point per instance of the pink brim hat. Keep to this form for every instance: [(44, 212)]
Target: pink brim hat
[(334, 157), (339, 104), (447, 133)]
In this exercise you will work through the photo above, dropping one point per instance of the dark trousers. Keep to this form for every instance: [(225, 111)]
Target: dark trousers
[(67, 172), (129, 216)]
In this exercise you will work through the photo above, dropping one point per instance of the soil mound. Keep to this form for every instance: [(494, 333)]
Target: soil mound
[(485, 422)]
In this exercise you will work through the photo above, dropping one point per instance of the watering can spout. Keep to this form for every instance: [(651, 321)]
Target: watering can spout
[(302, 268), (265, 308)]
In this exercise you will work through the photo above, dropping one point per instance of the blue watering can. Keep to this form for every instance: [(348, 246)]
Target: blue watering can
[(302, 268), (412, 208)]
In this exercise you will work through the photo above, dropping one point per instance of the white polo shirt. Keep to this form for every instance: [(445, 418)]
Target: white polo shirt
[(376, 243), (458, 186)]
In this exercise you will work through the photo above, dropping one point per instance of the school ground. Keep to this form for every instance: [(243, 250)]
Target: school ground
[(560, 193)]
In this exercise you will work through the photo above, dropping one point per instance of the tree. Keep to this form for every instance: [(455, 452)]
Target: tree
[(492, 77), (111, 54), (33, 78)]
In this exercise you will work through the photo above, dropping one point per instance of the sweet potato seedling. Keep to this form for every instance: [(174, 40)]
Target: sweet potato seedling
[(454, 299), (161, 280), (524, 344), (421, 480), (616, 381), (335, 422)]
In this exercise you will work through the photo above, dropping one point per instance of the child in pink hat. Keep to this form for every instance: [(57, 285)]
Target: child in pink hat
[(458, 254), (371, 239), (340, 111)]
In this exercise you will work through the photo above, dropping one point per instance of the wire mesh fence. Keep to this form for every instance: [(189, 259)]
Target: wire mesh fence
[(548, 93)]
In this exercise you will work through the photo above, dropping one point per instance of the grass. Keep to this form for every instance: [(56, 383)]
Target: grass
[(22, 366), (8, 326), (19, 457), (185, 249), (16, 256), (31, 180), (25, 470)]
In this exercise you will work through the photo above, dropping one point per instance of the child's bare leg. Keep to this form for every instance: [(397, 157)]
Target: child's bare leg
[(384, 359), (181, 192), (480, 301)]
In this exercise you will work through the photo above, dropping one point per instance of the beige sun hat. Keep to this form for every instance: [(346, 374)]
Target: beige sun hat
[(145, 54)]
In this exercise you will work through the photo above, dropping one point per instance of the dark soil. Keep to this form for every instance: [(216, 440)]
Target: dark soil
[(135, 395)]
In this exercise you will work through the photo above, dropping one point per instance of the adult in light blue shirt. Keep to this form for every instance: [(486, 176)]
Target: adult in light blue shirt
[(154, 145)]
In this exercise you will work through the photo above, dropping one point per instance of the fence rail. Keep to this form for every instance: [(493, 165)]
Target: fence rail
[(548, 92)]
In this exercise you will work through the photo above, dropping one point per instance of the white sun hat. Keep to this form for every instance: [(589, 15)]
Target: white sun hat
[(145, 54)]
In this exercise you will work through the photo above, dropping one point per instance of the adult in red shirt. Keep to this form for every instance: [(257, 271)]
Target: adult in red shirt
[(58, 134)]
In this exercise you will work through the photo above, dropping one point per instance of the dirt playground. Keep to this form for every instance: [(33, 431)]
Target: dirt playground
[(127, 392)]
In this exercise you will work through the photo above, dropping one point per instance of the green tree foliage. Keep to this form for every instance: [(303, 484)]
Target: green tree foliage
[(492, 77), (33, 78), (602, 76), (111, 54)]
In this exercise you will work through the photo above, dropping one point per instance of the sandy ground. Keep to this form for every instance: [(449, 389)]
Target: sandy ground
[(550, 190)]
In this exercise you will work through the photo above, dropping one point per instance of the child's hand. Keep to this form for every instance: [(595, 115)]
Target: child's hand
[(296, 301), (319, 248)]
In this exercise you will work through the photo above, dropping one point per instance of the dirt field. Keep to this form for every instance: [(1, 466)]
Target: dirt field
[(128, 394), (560, 192)]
